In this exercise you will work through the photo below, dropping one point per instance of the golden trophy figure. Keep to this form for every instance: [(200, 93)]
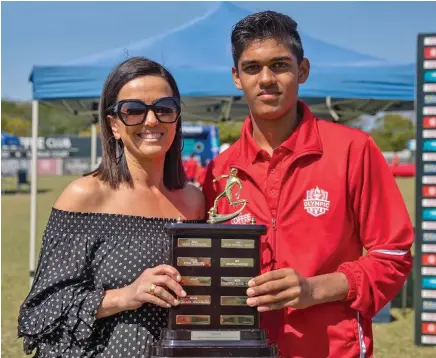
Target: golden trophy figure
[(216, 261), (232, 180)]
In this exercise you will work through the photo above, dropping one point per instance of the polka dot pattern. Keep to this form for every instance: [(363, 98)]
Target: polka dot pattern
[(82, 255)]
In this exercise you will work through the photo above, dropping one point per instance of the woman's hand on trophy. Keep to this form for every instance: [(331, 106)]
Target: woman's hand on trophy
[(278, 289), (153, 286)]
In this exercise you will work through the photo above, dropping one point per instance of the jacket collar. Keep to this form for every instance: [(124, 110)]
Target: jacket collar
[(304, 139)]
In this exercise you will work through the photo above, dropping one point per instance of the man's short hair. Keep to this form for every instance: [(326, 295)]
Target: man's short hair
[(266, 25)]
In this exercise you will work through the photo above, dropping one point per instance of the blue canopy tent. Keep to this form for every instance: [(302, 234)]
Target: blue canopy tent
[(10, 141), (201, 65), (198, 54)]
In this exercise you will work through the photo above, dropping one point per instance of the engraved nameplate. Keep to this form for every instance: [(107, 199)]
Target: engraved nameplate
[(215, 335), (237, 243), (235, 281), (193, 319), (196, 281), (232, 262), (232, 320), (194, 261), (194, 300), (194, 242), (234, 301)]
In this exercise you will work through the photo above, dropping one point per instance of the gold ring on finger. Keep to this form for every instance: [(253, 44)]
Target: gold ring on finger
[(151, 289)]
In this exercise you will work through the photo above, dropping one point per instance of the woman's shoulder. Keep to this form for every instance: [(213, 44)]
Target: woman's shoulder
[(85, 194), (195, 197)]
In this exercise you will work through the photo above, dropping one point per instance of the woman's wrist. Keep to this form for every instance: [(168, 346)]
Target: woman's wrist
[(112, 303)]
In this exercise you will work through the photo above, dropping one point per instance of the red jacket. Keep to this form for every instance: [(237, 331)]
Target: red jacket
[(191, 166), (325, 194)]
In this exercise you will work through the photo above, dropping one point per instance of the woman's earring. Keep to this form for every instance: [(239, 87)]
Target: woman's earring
[(120, 151)]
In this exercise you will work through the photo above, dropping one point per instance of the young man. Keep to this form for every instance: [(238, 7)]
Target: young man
[(324, 191)]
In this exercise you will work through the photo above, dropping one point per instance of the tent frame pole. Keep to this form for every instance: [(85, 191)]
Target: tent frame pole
[(33, 189)]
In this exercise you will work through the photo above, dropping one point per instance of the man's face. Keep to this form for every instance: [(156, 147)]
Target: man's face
[(269, 75)]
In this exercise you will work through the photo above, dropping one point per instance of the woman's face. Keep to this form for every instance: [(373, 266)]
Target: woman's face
[(151, 139)]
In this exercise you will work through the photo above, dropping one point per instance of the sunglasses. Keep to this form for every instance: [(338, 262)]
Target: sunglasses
[(133, 112)]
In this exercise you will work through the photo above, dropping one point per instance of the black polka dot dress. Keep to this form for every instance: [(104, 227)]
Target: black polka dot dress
[(82, 255)]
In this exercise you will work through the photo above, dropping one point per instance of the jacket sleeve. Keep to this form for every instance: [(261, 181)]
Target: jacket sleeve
[(385, 231)]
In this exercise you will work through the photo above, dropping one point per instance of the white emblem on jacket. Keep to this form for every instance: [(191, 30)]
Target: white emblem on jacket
[(316, 202)]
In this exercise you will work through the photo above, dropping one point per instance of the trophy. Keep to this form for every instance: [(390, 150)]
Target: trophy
[(216, 261)]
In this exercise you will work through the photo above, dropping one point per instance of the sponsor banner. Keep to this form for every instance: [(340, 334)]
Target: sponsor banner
[(429, 87), (428, 247), (428, 339), (429, 157), (430, 52), (61, 147), (49, 166), (429, 225), (429, 214), (429, 305), (76, 166), (430, 99), (429, 282), (425, 198), (10, 167), (430, 168), (429, 179), (429, 236), (429, 145), (428, 271), (428, 260), (429, 76), (429, 191), (428, 328), (430, 317), (428, 65), (429, 111), (428, 293), (429, 133), (430, 41), (429, 203), (429, 122)]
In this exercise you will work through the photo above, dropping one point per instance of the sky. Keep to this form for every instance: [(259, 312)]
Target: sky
[(43, 33)]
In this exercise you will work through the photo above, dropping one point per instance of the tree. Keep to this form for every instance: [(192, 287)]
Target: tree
[(16, 126), (229, 131), (52, 120), (392, 132)]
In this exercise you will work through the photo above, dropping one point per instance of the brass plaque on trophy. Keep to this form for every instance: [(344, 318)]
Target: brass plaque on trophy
[(194, 242), (194, 261), (235, 320), (193, 319), (195, 300), (237, 262), (234, 300), (196, 281), (235, 281), (237, 244), (216, 261)]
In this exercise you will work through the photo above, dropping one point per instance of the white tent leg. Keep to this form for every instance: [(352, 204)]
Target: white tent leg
[(33, 189), (93, 146)]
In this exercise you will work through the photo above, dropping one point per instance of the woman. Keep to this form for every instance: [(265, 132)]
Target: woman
[(102, 288)]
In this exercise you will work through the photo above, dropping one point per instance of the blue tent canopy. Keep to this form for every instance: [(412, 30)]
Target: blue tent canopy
[(9, 140), (202, 64)]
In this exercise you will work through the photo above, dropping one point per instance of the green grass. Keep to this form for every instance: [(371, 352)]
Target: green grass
[(392, 340)]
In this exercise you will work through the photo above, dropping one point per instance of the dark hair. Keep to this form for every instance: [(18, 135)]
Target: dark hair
[(266, 25), (113, 168)]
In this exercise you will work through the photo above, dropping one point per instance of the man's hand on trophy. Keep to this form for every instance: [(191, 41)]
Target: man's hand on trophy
[(278, 289)]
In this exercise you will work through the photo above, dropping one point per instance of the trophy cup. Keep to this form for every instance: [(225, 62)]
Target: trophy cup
[(216, 261)]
